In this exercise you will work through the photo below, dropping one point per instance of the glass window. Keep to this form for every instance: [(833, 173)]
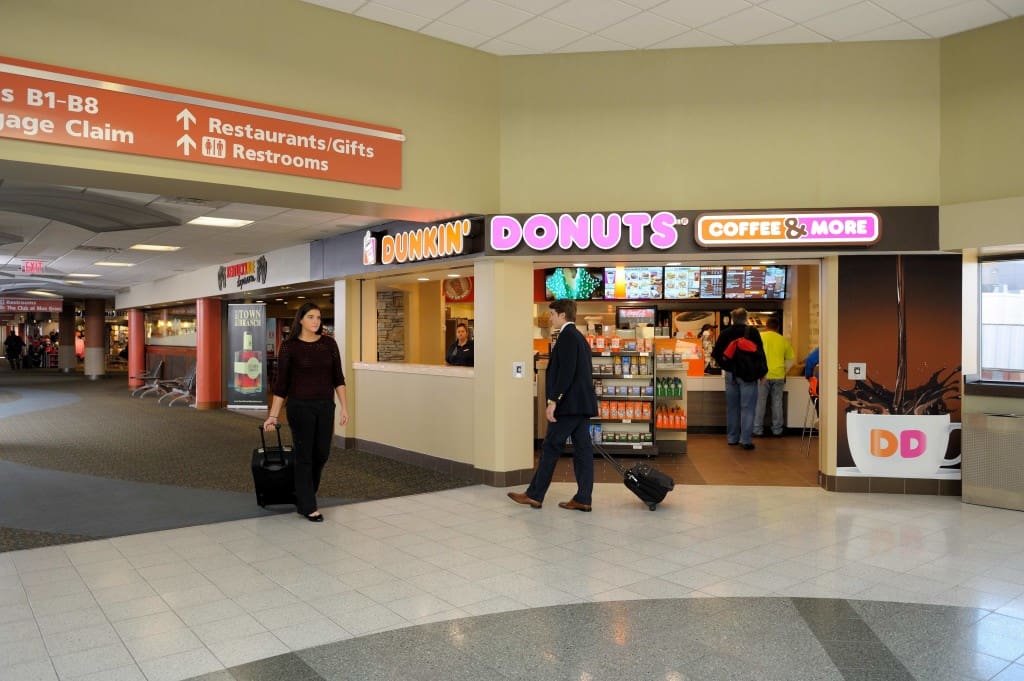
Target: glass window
[(171, 326), (1002, 320)]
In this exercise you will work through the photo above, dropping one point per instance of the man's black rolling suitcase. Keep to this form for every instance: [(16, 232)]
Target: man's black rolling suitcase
[(644, 480), (273, 472)]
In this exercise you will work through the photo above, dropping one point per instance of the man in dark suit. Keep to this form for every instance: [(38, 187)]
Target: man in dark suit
[(571, 403)]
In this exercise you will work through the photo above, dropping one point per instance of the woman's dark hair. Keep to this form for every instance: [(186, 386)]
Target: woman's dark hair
[(296, 328)]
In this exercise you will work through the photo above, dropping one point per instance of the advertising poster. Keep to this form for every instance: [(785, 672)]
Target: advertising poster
[(247, 329), (900, 317)]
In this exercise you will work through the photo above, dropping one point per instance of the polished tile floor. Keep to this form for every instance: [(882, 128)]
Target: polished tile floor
[(721, 582)]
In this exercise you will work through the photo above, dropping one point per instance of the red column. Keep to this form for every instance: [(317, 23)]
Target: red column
[(136, 346), (209, 383)]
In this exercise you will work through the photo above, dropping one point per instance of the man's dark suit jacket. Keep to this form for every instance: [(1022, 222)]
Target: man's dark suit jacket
[(570, 381)]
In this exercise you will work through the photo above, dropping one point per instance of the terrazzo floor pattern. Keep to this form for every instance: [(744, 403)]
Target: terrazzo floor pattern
[(719, 583)]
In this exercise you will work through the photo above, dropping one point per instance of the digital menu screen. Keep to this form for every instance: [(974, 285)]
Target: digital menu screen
[(682, 283), (711, 282), (755, 281), (574, 283), (632, 283)]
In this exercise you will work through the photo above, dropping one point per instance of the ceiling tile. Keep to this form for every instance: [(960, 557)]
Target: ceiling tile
[(642, 30), (453, 34), (505, 49), (906, 9), (485, 16), (1014, 8), (431, 9), (897, 31), (745, 26), (592, 15), (595, 43), (851, 20), (693, 38), (958, 18), (543, 35), (340, 5), (394, 17), (699, 12), (802, 10), (791, 35), (532, 6)]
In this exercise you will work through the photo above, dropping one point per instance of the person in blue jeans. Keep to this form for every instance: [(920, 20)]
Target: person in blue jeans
[(740, 395)]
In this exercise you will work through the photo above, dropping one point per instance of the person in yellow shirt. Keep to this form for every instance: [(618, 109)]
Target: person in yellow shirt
[(780, 355)]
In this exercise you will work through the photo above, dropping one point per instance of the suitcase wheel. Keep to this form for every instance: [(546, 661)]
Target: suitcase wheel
[(652, 506)]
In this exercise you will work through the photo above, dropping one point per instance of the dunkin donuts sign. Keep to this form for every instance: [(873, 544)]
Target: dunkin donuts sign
[(788, 229)]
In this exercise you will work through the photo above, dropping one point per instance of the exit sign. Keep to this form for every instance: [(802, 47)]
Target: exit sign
[(32, 266)]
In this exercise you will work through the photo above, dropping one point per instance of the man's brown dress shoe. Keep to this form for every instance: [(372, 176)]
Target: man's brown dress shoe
[(574, 505), (521, 498)]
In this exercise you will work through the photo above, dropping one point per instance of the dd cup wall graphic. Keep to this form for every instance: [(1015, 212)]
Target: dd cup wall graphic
[(900, 316)]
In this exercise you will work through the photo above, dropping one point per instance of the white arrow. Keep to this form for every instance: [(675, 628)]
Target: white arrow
[(186, 141), (185, 117)]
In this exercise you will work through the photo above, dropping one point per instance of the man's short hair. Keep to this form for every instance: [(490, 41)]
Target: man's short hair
[(566, 307), (773, 324), (739, 315)]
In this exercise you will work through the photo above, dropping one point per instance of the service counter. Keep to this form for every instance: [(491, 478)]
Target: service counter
[(705, 401), (422, 408)]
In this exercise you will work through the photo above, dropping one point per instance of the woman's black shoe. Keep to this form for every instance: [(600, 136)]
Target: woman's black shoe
[(318, 518)]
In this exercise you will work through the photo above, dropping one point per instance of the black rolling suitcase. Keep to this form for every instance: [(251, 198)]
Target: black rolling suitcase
[(273, 472), (644, 480)]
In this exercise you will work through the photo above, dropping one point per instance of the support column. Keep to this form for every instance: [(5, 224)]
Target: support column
[(503, 408), (209, 377), (136, 346), (66, 359), (95, 327)]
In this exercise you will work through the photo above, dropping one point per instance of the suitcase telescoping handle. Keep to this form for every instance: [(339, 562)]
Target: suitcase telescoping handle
[(612, 460), (280, 444)]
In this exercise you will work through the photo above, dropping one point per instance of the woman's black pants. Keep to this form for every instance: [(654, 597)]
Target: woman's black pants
[(312, 424)]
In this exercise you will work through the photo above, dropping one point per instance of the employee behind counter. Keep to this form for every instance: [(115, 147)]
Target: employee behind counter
[(460, 353)]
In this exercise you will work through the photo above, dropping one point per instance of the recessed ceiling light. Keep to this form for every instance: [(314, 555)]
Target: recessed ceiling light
[(259, 301), (73, 281), (44, 293), (83, 276), (579, 264), (154, 247), (454, 276), (767, 262), (422, 278), (280, 300), (302, 297), (104, 263), (219, 222), (672, 264)]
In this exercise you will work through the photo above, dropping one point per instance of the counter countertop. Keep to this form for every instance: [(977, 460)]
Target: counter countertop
[(421, 369)]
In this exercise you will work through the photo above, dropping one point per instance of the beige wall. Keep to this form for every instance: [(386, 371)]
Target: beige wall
[(774, 126), (280, 52)]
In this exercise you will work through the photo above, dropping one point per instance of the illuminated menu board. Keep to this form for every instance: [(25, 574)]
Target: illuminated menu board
[(755, 282), (711, 283), (632, 283), (682, 282)]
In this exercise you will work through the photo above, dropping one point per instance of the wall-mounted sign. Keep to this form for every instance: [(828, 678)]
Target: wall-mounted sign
[(31, 304), (52, 105), (603, 231), (458, 290), (423, 243), (32, 266), (821, 229), (244, 273)]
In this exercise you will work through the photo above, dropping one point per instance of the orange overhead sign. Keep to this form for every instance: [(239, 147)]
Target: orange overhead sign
[(41, 103)]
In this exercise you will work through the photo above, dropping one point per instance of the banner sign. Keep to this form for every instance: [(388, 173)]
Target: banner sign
[(53, 105), (247, 329), (788, 229), (31, 305)]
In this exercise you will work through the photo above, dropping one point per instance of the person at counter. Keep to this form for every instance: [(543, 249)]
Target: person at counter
[(740, 393), (571, 404), (309, 375), (460, 353), (780, 356)]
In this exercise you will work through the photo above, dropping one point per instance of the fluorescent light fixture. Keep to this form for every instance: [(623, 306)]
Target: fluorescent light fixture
[(154, 247), (673, 264), (44, 293), (280, 300), (83, 276), (422, 278), (259, 301), (219, 222), (766, 262), (73, 281), (301, 297), (580, 264), (104, 263), (454, 276)]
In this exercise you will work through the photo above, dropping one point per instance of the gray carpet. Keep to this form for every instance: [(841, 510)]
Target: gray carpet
[(81, 459)]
